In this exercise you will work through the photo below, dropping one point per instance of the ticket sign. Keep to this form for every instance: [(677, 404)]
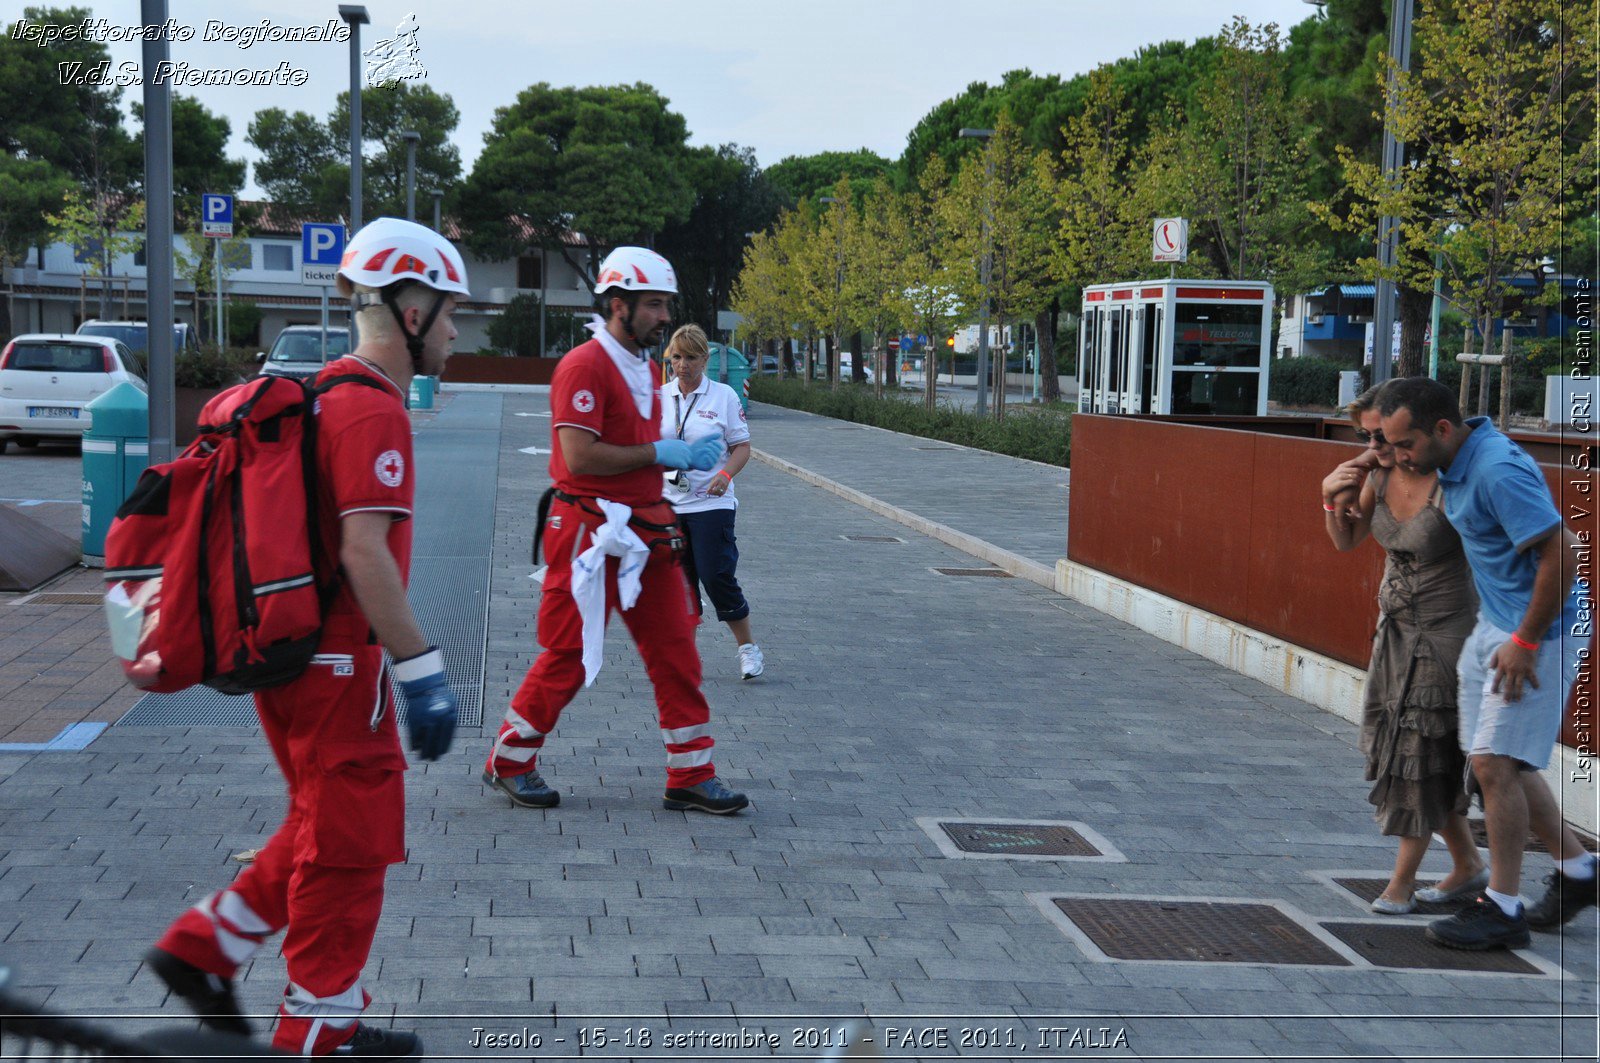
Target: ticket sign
[(1171, 240), (216, 215), (321, 248)]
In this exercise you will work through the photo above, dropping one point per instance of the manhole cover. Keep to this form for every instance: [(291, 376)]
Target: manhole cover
[(1369, 889), (1402, 945), (1480, 834), (1009, 839), (1195, 931), (873, 539), (997, 573), (63, 598)]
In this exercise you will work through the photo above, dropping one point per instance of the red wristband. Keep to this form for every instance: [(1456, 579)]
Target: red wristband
[(1330, 509), (1524, 643)]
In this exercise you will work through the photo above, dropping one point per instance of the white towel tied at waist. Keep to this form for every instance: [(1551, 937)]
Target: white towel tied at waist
[(616, 539)]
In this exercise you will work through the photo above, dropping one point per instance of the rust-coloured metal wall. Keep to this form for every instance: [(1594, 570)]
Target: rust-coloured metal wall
[(1231, 521)]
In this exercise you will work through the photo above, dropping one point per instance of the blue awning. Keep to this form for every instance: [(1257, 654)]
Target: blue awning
[(1358, 291)]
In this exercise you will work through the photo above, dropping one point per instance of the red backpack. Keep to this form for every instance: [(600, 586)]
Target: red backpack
[(215, 563)]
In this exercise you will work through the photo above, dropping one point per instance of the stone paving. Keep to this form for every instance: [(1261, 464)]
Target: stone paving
[(892, 693)]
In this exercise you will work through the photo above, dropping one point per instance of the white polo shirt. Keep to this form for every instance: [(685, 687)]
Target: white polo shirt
[(711, 407)]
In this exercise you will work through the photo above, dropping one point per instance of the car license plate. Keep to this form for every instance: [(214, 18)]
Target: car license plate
[(53, 411)]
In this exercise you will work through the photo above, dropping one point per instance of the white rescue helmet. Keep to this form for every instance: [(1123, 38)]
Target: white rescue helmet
[(636, 269), (390, 250)]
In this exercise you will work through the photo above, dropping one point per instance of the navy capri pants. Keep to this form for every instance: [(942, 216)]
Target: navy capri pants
[(714, 555)]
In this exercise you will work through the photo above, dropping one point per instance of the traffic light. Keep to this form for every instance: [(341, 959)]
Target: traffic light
[(951, 342)]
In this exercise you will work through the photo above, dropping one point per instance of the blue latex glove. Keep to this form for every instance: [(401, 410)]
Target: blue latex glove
[(430, 704), (673, 453), (706, 453)]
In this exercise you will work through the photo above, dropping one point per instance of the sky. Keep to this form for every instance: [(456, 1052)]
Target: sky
[(795, 77)]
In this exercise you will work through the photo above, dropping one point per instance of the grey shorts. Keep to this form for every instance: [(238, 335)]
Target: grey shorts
[(1526, 729)]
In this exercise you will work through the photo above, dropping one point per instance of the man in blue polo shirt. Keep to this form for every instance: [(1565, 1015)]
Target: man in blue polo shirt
[(1518, 665)]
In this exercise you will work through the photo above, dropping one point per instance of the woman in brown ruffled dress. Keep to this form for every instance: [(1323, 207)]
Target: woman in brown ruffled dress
[(1426, 606)]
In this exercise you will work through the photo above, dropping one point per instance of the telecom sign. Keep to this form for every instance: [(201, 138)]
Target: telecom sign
[(216, 215), (1171, 240), (321, 248)]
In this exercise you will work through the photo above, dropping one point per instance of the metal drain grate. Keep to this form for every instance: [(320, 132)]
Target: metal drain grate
[(449, 587), (995, 573), (62, 598), (1195, 931), (935, 448), (1018, 839), (1480, 834), (1403, 946), (1369, 889), (872, 538)]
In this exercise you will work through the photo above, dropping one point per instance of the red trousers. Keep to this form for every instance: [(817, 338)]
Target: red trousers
[(662, 624), (320, 877)]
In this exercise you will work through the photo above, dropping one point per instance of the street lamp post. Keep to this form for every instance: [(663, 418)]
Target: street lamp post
[(158, 234), (438, 197), (356, 16), (988, 265), (838, 296), (411, 137), (1394, 157)]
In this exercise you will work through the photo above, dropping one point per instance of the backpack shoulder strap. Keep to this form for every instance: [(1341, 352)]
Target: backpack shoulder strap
[(344, 378)]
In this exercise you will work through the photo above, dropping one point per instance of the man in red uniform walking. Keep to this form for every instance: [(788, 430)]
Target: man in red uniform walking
[(333, 731), (606, 464)]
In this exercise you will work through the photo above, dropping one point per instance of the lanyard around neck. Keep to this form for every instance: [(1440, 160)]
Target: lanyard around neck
[(681, 414)]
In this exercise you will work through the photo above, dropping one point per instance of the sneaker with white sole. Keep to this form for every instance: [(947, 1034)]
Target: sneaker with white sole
[(751, 663)]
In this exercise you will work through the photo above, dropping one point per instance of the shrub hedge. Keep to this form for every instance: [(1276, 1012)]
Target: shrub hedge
[(1039, 435)]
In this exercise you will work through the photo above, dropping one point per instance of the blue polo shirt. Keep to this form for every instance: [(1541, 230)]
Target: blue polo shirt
[(1496, 498)]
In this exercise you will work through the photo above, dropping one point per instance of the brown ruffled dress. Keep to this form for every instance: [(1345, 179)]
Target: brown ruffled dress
[(1408, 730)]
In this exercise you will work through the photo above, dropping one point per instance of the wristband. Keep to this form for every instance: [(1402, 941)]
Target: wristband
[(724, 474), (1524, 643), (428, 662), (1330, 509)]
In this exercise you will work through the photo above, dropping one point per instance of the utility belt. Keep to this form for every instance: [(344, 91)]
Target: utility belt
[(656, 535)]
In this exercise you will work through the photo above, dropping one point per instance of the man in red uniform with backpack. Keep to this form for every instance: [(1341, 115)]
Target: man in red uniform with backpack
[(333, 729), (606, 464)]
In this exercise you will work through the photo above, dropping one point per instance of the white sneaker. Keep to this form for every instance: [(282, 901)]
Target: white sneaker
[(750, 660)]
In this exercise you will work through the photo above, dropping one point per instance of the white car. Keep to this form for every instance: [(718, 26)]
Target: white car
[(46, 380)]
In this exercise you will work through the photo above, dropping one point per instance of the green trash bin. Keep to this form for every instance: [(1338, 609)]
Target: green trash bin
[(422, 388), (116, 449), (729, 366)]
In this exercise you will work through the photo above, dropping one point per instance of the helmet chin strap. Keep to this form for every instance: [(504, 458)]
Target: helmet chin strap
[(390, 297)]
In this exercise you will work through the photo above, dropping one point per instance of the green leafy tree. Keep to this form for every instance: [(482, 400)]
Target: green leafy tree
[(826, 273), (305, 164), (1005, 184), (800, 177), (609, 162), (29, 189), (99, 232), (732, 198), (75, 127), (1236, 168), (516, 329), (876, 295), (1497, 114), (931, 287)]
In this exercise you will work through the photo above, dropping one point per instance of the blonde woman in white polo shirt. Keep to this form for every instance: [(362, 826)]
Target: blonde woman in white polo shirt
[(693, 405)]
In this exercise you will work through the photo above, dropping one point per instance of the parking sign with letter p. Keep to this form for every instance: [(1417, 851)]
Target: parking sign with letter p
[(321, 248), (216, 215)]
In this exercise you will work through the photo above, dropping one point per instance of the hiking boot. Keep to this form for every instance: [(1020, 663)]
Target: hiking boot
[(710, 796), (751, 663), (1564, 897), (369, 1042), (1480, 926), (529, 790), (210, 996)]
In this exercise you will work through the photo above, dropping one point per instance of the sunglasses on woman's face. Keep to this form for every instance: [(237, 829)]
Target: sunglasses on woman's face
[(1364, 436)]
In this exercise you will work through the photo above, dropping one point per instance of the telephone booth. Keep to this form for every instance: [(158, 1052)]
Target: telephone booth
[(1175, 347)]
